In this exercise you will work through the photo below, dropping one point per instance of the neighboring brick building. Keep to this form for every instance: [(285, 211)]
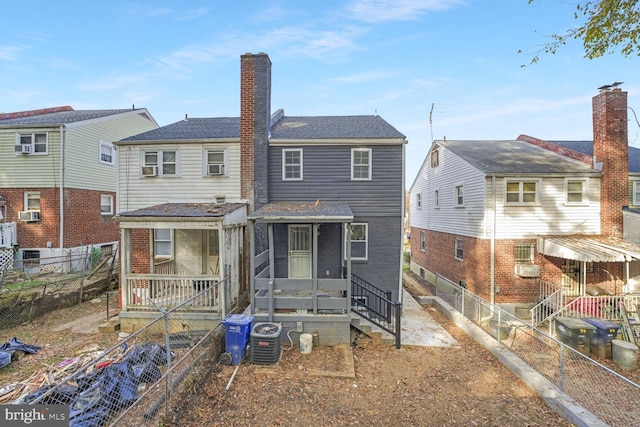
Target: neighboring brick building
[(501, 217), (58, 180)]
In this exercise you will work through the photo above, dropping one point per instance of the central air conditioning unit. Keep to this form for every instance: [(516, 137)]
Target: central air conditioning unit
[(29, 216), (527, 270), (264, 343), (150, 171), (216, 169), (23, 148)]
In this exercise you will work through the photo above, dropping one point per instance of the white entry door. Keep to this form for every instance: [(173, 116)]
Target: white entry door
[(299, 251)]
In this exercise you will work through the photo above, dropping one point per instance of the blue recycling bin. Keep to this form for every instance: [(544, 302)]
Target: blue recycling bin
[(237, 334), (602, 338)]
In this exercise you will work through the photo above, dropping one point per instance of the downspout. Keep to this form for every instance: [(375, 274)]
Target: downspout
[(61, 237), (404, 212), (493, 243)]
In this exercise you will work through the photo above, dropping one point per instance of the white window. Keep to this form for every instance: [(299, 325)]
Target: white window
[(576, 191), (106, 204), (160, 163), (459, 195), (32, 201), (636, 193), (436, 198), (163, 242), (361, 164), (418, 200), (216, 162), (359, 241), (423, 241), (32, 143), (521, 192), (292, 164), (107, 153), (459, 254), (523, 253)]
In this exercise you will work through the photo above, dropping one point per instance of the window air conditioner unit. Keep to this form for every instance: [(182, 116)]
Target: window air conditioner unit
[(23, 148), (29, 216), (527, 270), (216, 169), (150, 171)]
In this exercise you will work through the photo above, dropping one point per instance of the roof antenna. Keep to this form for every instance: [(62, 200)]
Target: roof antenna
[(133, 106), (186, 117), (431, 120)]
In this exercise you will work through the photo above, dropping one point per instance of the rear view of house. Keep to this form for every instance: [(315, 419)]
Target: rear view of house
[(58, 179)]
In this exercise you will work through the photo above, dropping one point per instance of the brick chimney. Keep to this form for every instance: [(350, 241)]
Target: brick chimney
[(610, 148), (255, 117)]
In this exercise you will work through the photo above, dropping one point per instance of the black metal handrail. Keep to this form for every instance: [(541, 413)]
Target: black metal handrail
[(375, 305)]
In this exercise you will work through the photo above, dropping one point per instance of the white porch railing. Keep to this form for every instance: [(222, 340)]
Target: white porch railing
[(142, 290), (8, 235)]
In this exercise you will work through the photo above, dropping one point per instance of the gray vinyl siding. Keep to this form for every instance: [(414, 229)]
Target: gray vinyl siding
[(327, 176)]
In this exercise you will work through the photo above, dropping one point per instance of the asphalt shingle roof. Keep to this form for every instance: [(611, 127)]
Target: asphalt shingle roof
[(192, 129), (333, 127), (586, 147), (185, 210), (61, 117), (320, 210), (514, 157)]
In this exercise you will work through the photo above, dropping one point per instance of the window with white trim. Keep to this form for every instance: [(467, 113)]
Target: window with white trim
[(32, 201), (418, 200), (361, 164), (165, 162), (292, 164), (459, 253), (215, 162), (523, 253), (576, 190), (106, 204), (423, 241), (436, 199), (636, 193), (33, 143), (521, 192), (459, 195), (435, 158), (163, 242), (359, 241), (107, 153)]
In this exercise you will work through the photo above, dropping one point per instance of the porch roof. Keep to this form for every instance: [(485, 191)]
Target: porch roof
[(185, 210), (317, 211), (589, 248)]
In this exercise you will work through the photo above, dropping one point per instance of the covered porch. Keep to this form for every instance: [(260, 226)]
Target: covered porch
[(178, 252), (301, 267)]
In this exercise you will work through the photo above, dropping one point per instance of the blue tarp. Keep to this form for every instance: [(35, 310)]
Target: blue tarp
[(8, 349)]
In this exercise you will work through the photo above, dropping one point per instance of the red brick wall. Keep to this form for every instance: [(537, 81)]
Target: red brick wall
[(83, 223), (475, 268), (247, 105), (35, 234), (610, 147), (140, 251)]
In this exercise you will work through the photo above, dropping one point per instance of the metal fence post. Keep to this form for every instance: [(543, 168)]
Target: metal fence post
[(398, 323), (499, 327), (561, 367)]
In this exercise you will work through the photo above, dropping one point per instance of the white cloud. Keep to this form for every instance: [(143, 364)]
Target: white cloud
[(396, 10), (9, 53)]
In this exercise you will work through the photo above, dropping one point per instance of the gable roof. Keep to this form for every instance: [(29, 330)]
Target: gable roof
[(333, 127), (63, 117), (192, 129), (514, 157)]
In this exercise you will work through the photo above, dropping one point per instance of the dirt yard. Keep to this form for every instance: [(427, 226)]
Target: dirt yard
[(370, 385)]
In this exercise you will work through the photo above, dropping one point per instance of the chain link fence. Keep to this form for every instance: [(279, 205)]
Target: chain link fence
[(142, 380), (31, 287), (606, 394)]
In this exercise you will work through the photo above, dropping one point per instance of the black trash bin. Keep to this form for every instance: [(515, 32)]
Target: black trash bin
[(601, 339), (574, 332)]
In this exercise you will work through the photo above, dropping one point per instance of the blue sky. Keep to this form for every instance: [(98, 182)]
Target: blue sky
[(395, 58)]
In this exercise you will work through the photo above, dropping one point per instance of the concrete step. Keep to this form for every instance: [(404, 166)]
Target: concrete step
[(111, 325)]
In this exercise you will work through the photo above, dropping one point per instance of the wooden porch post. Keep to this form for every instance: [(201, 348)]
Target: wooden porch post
[(125, 267), (252, 266), (314, 266), (272, 269), (348, 257)]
